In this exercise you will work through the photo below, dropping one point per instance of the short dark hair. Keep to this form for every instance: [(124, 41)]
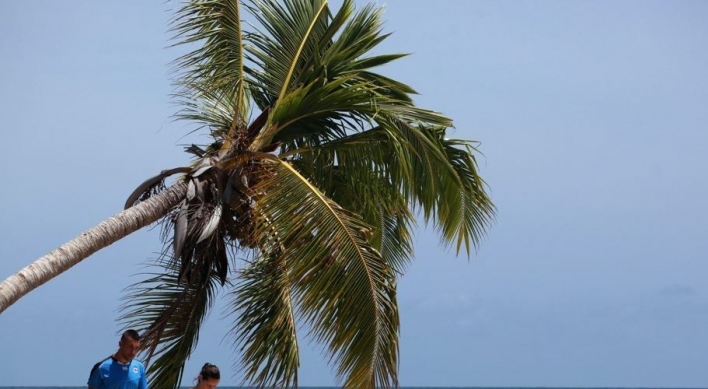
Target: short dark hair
[(210, 371), (132, 334)]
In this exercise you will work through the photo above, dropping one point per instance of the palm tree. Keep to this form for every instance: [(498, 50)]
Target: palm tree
[(302, 205)]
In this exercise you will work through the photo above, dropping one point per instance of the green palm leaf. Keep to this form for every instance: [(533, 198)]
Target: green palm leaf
[(265, 325), (466, 223), (293, 33), (360, 181), (290, 35), (169, 314), (216, 69), (341, 283)]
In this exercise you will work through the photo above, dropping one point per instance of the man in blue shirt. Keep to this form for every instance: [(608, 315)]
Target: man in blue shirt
[(120, 370)]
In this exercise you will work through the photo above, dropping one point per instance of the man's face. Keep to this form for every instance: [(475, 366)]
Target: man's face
[(128, 348)]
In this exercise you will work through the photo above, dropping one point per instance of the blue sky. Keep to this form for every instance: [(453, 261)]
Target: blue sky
[(592, 120)]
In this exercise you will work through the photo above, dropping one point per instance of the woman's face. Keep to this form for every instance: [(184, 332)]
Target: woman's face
[(210, 383)]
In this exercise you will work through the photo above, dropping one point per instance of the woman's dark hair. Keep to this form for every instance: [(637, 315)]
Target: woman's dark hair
[(210, 371)]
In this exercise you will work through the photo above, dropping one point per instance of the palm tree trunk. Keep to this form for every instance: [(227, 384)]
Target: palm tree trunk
[(88, 242)]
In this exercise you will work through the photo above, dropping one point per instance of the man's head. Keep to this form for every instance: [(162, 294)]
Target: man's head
[(128, 346)]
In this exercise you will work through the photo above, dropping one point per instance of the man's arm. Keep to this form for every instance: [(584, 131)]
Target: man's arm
[(95, 380)]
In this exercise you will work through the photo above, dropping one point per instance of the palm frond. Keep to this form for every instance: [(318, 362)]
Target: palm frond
[(358, 36), (217, 67), (355, 172), (435, 173), (264, 330), (169, 314), (445, 183), (291, 34), (394, 237), (152, 186), (336, 82), (341, 283), (294, 31), (466, 223), (336, 99), (210, 108), (200, 223)]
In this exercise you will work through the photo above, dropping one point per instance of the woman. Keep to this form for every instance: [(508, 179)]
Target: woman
[(208, 378)]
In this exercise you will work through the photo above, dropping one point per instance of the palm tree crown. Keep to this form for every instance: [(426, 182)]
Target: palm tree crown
[(303, 205)]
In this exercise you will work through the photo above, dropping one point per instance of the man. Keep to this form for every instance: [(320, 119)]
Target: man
[(120, 370)]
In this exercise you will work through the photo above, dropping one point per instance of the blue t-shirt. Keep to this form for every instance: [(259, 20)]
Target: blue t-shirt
[(111, 374)]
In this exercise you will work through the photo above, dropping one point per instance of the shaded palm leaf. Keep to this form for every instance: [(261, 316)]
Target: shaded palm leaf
[(215, 70), (342, 285), (152, 186), (467, 223), (361, 185), (265, 325), (169, 314)]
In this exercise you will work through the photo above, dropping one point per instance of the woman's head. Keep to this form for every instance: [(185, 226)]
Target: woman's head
[(209, 377)]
